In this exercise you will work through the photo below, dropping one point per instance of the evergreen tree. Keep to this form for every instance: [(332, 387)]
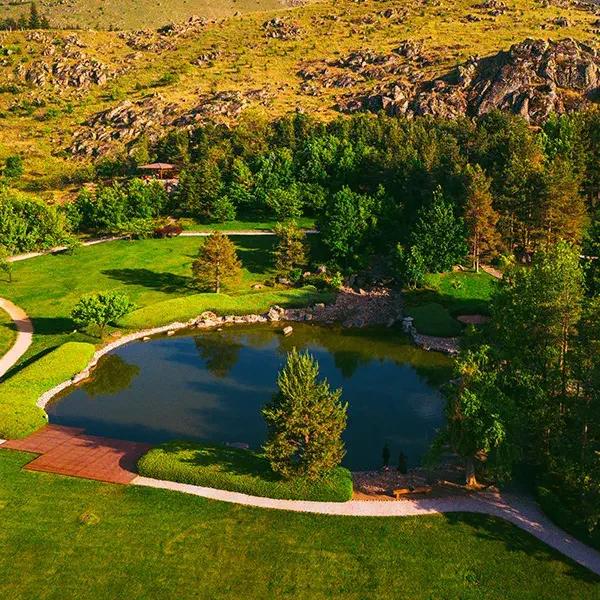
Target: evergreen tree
[(290, 252), (563, 211), (480, 217), (305, 421), (35, 21), (217, 262)]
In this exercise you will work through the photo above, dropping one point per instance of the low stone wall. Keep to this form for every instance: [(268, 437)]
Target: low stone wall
[(447, 345)]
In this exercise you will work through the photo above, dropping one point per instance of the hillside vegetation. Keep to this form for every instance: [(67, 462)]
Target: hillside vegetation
[(53, 82), (124, 14)]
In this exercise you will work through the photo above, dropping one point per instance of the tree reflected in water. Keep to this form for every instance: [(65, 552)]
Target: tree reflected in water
[(112, 376)]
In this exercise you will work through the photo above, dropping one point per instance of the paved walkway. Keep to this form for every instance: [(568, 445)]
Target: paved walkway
[(522, 512), (69, 451), (24, 328)]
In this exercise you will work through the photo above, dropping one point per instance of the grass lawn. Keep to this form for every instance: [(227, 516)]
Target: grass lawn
[(149, 271), (70, 538), (238, 471), (241, 225), (433, 319), (19, 415), (7, 333), (445, 296)]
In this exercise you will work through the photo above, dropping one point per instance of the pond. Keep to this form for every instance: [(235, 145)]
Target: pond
[(210, 386)]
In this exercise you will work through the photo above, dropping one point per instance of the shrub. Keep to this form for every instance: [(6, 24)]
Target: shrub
[(242, 471), (101, 309), (27, 223)]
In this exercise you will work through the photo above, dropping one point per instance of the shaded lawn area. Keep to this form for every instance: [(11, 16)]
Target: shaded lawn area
[(8, 333), (236, 470), (445, 296), (241, 225), (70, 538), (149, 271)]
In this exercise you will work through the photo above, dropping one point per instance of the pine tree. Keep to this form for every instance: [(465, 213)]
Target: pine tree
[(290, 251), (34, 17), (563, 211), (480, 217), (217, 262), (305, 420)]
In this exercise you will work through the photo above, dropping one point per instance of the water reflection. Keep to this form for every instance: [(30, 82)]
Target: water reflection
[(212, 386)]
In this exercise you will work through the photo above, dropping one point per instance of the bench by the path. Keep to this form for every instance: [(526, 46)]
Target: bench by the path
[(24, 328)]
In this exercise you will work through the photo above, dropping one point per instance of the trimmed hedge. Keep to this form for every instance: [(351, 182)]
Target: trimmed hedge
[(565, 518), (237, 470), (19, 415), (434, 319), (187, 307)]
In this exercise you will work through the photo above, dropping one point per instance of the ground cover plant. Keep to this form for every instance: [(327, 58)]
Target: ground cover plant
[(238, 470), (19, 415), (89, 539)]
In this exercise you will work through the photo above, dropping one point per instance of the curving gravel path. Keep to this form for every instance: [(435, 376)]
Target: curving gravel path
[(519, 511), (24, 328)]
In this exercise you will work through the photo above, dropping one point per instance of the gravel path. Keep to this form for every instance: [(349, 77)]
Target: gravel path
[(520, 511), (24, 328)]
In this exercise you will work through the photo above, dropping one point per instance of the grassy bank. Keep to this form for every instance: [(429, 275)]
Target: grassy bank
[(445, 296), (77, 539), (151, 273), (7, 333), (19, 415), (238, 471), (183, 309)]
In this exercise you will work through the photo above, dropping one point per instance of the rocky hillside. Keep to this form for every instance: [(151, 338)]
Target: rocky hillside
[(86, 94)]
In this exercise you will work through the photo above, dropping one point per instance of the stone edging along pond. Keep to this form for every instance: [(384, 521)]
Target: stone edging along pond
[(207, 320), (351, 309)]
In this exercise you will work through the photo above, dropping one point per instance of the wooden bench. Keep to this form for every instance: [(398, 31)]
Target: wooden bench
[(420, 489)]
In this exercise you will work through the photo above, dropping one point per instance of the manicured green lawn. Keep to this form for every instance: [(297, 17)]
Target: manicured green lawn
[(19, 415), (7, 333), (193, 225), (76, 539), (462, 293), (445, 296), (149, 271), (433, 319), (238, 471)]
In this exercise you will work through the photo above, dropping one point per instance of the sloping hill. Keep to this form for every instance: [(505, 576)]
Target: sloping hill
[(69, 97), (135, 14)]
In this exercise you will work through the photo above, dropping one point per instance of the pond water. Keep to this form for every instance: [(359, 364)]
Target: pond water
[(210, 386)]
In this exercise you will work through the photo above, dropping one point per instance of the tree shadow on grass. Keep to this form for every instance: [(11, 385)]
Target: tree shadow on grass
[(256, 254), (162, 282), (491, 528), (230, 460)]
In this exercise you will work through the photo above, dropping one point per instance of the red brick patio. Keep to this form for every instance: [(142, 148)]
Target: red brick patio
[(69, 451)]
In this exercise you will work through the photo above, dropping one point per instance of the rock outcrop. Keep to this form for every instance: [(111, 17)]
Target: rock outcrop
[(534, 78), (123, 123), (281, 29)]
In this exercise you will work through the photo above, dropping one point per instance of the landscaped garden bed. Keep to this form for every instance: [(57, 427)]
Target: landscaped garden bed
[(239, 470)]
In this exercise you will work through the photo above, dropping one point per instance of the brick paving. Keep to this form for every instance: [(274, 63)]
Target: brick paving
[(69, 451)]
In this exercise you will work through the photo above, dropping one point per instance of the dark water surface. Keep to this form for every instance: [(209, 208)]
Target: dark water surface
[(211, 387)]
